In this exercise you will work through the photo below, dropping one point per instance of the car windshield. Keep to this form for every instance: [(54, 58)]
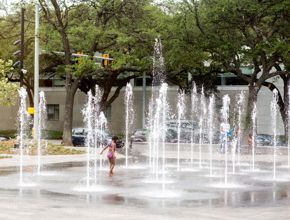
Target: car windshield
[(78, 131), (83, 131), (140, 133)]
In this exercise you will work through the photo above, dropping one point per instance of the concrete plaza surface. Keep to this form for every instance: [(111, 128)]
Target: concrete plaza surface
[(60, 192), (70, 209)]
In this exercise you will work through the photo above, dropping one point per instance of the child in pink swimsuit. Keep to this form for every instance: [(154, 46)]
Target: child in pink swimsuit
[(111, 154)]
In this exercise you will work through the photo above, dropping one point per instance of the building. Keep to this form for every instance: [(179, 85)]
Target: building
[(55, 96)]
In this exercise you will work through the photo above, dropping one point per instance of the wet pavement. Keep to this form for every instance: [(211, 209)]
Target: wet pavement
[(60, 192)]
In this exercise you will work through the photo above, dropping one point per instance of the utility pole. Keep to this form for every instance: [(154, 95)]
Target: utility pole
[(36, 71), (143, 99), (21, 67), (19, 54)]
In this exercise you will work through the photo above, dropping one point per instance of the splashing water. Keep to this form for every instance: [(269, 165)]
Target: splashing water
[(181, 112), (211, 110), (156, 138), (96, 113), (102, 128), (224, 129), (95, 125), (158, 133), (240, 103), (41, 127), (274, 126), (158, 64), (88, 119), (254, 119), (150, 138), (23, 119), (129, 117), (203, 112), (163, 96), (194, 104)]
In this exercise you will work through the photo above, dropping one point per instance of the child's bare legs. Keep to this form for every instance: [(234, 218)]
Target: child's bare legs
[(112, 165)]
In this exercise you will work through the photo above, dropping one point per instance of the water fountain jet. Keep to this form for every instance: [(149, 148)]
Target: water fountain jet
[(129, 118), (41, 126), (254, 118), (274, 125), (210, 126), (194, 104), (180, 110), (225, 127)]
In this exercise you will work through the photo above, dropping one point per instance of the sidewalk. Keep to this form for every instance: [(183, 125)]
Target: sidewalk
[(47, 159)]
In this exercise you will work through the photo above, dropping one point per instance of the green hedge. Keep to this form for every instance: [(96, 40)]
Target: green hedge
[(48, 134), (8, 133), (51, 134)]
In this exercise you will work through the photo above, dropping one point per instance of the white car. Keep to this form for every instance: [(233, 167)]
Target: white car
[(3, 138)]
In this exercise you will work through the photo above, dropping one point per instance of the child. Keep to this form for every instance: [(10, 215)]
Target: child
[(111, 154)]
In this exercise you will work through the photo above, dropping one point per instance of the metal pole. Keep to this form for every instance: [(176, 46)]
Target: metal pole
[(22, 47), (36, 71), (144, 100)]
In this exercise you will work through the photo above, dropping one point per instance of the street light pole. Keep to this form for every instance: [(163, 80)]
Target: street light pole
[(22, 46), (143, 99), (36, 71)]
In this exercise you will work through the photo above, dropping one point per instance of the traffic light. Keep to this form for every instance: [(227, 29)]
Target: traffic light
[(19, 54), (105, 59), (79, 57)]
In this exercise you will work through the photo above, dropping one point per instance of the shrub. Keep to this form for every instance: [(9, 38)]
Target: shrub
[(8, 133), (52, 135), (6, 147)]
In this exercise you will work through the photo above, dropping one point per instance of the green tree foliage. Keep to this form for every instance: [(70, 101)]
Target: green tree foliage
[(245, 33), (123, 29), (8, 90), (9, 33), (184, 56)]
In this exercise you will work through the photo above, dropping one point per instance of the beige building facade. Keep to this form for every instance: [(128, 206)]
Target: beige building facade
[(55, 97)]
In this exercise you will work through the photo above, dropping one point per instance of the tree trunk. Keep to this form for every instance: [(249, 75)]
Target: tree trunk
[(286, 81), (30, 97), (68, 115), (282, 101), (252, 98)]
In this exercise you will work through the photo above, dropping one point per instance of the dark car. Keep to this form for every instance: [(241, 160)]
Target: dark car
[(172, 137), (139, 135), (79, 137), (263, 139)]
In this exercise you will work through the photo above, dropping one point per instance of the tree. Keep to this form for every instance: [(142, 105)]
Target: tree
[(245, 33), (184, 58), (119, 28), (9, 33), (8, 91)]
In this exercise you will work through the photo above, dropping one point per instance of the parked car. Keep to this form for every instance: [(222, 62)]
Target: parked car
[(3, 138), (79, 136), (185, 124), (172, 137), (262, 139), (140, 135)]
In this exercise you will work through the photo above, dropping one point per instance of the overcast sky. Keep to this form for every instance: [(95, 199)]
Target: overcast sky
[(9, 3)]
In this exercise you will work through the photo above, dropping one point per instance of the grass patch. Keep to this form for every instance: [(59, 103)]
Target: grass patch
[(60, 150), (7, 147), (53, 135), (48, 134), (52, 149), (3, 157)]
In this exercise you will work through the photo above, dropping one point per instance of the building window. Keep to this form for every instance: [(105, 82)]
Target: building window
[(52, 112), (139, 81)]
